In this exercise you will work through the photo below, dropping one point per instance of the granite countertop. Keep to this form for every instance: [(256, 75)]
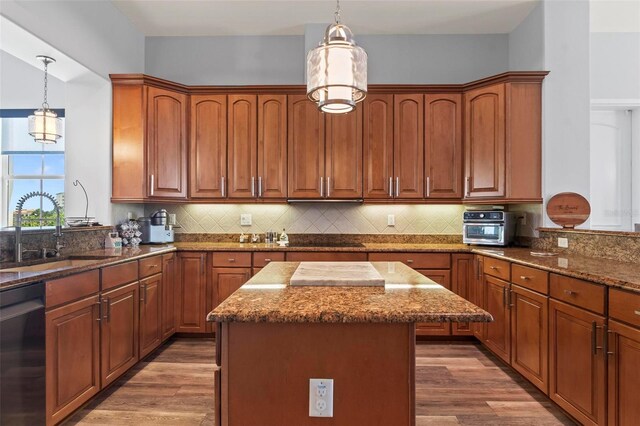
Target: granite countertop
[(407, 297), (103, 257), (364, 247), (609, 272)]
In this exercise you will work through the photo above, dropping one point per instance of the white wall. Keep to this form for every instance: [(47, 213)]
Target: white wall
[(526, 42), (21, 85), (94, 33), (615, 65)]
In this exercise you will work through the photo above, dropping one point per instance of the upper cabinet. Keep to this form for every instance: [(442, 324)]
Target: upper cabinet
[(472, 143), (443, 145), (208, 146)]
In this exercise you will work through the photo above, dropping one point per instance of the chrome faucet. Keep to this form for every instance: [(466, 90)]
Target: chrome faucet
[(18, 225)]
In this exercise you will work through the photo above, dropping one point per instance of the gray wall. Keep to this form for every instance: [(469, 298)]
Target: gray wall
[(615, 65), (21, 85), (241, 60), (400, 59), (94, 33), (526, 42)]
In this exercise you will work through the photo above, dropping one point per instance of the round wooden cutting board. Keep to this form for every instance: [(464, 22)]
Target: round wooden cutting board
[(568, 209)]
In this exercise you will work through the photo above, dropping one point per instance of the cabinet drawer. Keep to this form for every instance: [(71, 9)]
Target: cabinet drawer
[(71, 288), (323, 256), (150, 266), (531, 278), (232, 259), (415, 260), (113, 276), (578, 292), (261, 258), (498, 268), (624, 306)]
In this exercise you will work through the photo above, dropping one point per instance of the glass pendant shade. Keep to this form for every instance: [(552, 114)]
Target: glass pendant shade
[(337, 71), (45, 126)]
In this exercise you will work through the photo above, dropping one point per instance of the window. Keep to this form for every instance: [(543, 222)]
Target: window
[(28, 166)]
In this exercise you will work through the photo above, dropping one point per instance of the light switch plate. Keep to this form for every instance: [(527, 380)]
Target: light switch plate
[(320, 397), (245, 219), (563, 242), (391, 220)]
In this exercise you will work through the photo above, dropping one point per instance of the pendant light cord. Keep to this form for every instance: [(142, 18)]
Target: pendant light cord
[(337, 12), (45, 104)]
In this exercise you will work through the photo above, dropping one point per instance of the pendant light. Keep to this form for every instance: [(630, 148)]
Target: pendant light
[(337, 70), (44, 124)]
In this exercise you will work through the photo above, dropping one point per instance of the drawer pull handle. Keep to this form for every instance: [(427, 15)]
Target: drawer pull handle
[(267, 260), (232, 260), (524, 277), (570, 292), (494, 267), (152, 266), (637, 312), (409, 260)]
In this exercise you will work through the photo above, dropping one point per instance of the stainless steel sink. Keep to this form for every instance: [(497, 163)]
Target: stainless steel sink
[(49, 266)]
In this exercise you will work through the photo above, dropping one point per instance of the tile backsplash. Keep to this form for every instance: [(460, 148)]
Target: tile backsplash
[(312, 218)]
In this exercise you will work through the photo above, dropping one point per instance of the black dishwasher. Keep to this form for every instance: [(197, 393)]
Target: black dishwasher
[(22, 355)]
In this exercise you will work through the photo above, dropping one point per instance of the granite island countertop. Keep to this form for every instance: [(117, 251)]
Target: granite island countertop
[(407, 297)]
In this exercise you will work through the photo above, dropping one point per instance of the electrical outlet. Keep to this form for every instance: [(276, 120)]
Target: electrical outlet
[(320, 397), (563, 242), (523, 219), (245, 219), (391, 220)]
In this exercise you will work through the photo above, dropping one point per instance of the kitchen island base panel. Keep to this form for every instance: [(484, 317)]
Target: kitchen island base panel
[(266, 369)]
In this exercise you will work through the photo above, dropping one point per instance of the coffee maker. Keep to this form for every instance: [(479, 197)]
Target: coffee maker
[(156, 229)]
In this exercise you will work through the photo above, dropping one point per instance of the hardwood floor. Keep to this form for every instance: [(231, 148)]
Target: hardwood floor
[(457, 383)]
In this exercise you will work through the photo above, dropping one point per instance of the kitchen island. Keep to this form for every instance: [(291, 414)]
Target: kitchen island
[(273, 338)]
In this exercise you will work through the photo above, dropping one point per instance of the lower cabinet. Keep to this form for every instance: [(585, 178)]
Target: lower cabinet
[(497, 334), (442, 277), (624, 374), (72, 356), (150, 314), (225, 281), (192, 285), (529, 335), (168, 295), (577, 362), (119, 334), (462, 276), (477, 295)]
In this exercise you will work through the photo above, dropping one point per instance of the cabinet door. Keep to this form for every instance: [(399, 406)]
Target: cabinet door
[(624, 374), (408, 144), (272, 146), (168, 295), (343, 167), (306, 148), (462, 276), (443, 145), (191, 310), (242, 146), (119, 334), (530, 335), (166, 143), (477, 295), (497, 334), (485, 142), (227, 280), (73, 357), (576, 362), (442, 277), (378, 147), (208, 148), (150, 314)]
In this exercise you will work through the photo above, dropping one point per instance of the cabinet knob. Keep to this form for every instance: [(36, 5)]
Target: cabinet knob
[(524, 277), (494, 267), (267, 260), (637, 312)]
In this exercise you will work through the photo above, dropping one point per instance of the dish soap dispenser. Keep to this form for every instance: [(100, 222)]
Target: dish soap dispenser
[(284, 239)]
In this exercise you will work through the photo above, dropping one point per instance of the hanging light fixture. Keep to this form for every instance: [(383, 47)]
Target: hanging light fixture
[(337, 70), (44, 124)]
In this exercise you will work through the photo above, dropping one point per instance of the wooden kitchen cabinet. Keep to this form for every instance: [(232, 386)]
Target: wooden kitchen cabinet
[(530, 335), (227, 280), (72, 357), (485, 142), (166, 143), (150, 314), (272, 146), (208, 146), (497, 334), (169, 289), (242, 140), (192, 285), (443, 145), (462, 276), (306, 146), (442, 277), (623, 375), (408, 151), (577, 363), (343, 155), (325, 256), (378, 146), (477, 295), (119, 331)]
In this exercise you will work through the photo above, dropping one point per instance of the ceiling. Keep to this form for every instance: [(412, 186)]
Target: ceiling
[(279, 17)]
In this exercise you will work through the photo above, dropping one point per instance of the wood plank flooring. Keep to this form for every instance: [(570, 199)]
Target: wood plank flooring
[(457, 383)]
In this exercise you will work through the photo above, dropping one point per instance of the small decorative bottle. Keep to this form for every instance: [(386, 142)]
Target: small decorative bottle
[(284, 238)]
